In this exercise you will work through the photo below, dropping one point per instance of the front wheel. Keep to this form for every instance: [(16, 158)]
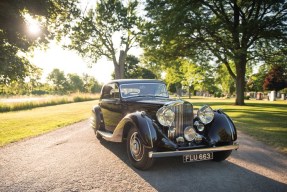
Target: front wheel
[(137, 152)]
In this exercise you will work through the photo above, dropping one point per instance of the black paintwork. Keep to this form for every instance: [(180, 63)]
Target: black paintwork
[(121, 113)]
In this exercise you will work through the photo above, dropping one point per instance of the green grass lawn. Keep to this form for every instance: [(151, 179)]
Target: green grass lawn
[(15, 126), (264, 120)]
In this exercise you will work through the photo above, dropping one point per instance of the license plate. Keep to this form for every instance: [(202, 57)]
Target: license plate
[(198, 157)]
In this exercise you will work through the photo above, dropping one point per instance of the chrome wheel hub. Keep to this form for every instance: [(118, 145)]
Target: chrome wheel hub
[(136, 148)]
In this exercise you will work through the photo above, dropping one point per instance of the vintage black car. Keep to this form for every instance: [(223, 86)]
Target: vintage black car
[(153, 125)]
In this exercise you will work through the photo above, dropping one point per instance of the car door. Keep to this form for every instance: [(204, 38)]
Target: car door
[(111, 106)]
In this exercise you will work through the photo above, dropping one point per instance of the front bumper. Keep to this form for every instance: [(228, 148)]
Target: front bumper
[(152, 154)]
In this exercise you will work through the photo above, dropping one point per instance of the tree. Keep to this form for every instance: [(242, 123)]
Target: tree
[(174, 78), (15, 41), (276, 78), (255, 81), (97, 33), (227, 30), (225, 81), (133, 69), (58, 80), (75, 82), (183, 73), (91, 85), (33, 81)]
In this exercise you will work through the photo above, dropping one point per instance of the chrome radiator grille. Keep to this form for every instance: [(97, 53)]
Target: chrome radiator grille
[(183, 118)]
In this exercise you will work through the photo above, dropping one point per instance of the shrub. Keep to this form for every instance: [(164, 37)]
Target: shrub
[(39, 92), (4, 108)]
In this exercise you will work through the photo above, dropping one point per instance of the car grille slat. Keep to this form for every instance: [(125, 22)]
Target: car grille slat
[(183, 118)]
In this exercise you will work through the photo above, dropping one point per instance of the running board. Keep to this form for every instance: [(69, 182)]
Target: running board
[(110, 137)]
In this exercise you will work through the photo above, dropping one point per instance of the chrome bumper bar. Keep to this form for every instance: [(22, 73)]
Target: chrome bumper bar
[(152, 154)]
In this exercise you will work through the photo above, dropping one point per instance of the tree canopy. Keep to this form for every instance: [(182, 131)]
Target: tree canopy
[(71, 83), (109, 30), (133, 69), (58, 80), (225, 81), (276, 78), (15, 41), (220, 31), (197, 42)]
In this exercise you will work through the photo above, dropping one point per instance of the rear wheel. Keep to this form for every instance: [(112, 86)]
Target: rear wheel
[(137, 152)]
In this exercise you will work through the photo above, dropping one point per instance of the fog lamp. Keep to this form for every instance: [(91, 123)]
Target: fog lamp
[(199, 126), (189, 133)]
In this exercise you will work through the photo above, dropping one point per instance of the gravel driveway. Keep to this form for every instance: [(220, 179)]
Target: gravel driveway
[(72, 159)]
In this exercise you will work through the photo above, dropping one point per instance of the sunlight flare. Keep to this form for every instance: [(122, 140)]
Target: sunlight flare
[(34, 26)]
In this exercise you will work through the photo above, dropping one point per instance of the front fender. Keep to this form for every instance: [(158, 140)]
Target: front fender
[(142, 123), (145, 128), (222, 129)]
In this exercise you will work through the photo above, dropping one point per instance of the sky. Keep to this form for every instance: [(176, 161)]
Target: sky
[(69, 61)]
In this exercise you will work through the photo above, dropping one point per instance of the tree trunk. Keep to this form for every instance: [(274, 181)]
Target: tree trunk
[(122, 61), (240, 86), (178, 90), (120, 66), (117, 71), (240, 79)]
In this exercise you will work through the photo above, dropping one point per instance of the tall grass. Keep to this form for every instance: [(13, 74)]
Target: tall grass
[(43, 102)]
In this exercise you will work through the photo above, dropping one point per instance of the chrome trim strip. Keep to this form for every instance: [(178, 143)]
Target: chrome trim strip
[(192, 151), (174, 103)]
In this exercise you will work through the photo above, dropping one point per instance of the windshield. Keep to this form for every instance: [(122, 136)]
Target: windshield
[(143, 90)]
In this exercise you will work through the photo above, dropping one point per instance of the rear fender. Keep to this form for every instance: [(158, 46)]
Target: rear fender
[(97, 112), (222, 129)]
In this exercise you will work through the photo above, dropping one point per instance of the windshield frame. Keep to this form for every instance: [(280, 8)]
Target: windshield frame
[(143, 83)]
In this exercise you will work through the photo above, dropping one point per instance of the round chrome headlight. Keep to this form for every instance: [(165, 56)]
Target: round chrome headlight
[(189, 133), (199, 126), (205, 114), (165, 116)]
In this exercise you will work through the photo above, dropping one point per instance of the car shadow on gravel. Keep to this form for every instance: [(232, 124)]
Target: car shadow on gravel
[(171, 174)]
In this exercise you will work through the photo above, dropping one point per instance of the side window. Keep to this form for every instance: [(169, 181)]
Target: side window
[(115, 92), (106, 93), (110, 91)]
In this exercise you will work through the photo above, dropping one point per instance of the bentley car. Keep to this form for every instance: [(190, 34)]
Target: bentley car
[(140, 113)]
